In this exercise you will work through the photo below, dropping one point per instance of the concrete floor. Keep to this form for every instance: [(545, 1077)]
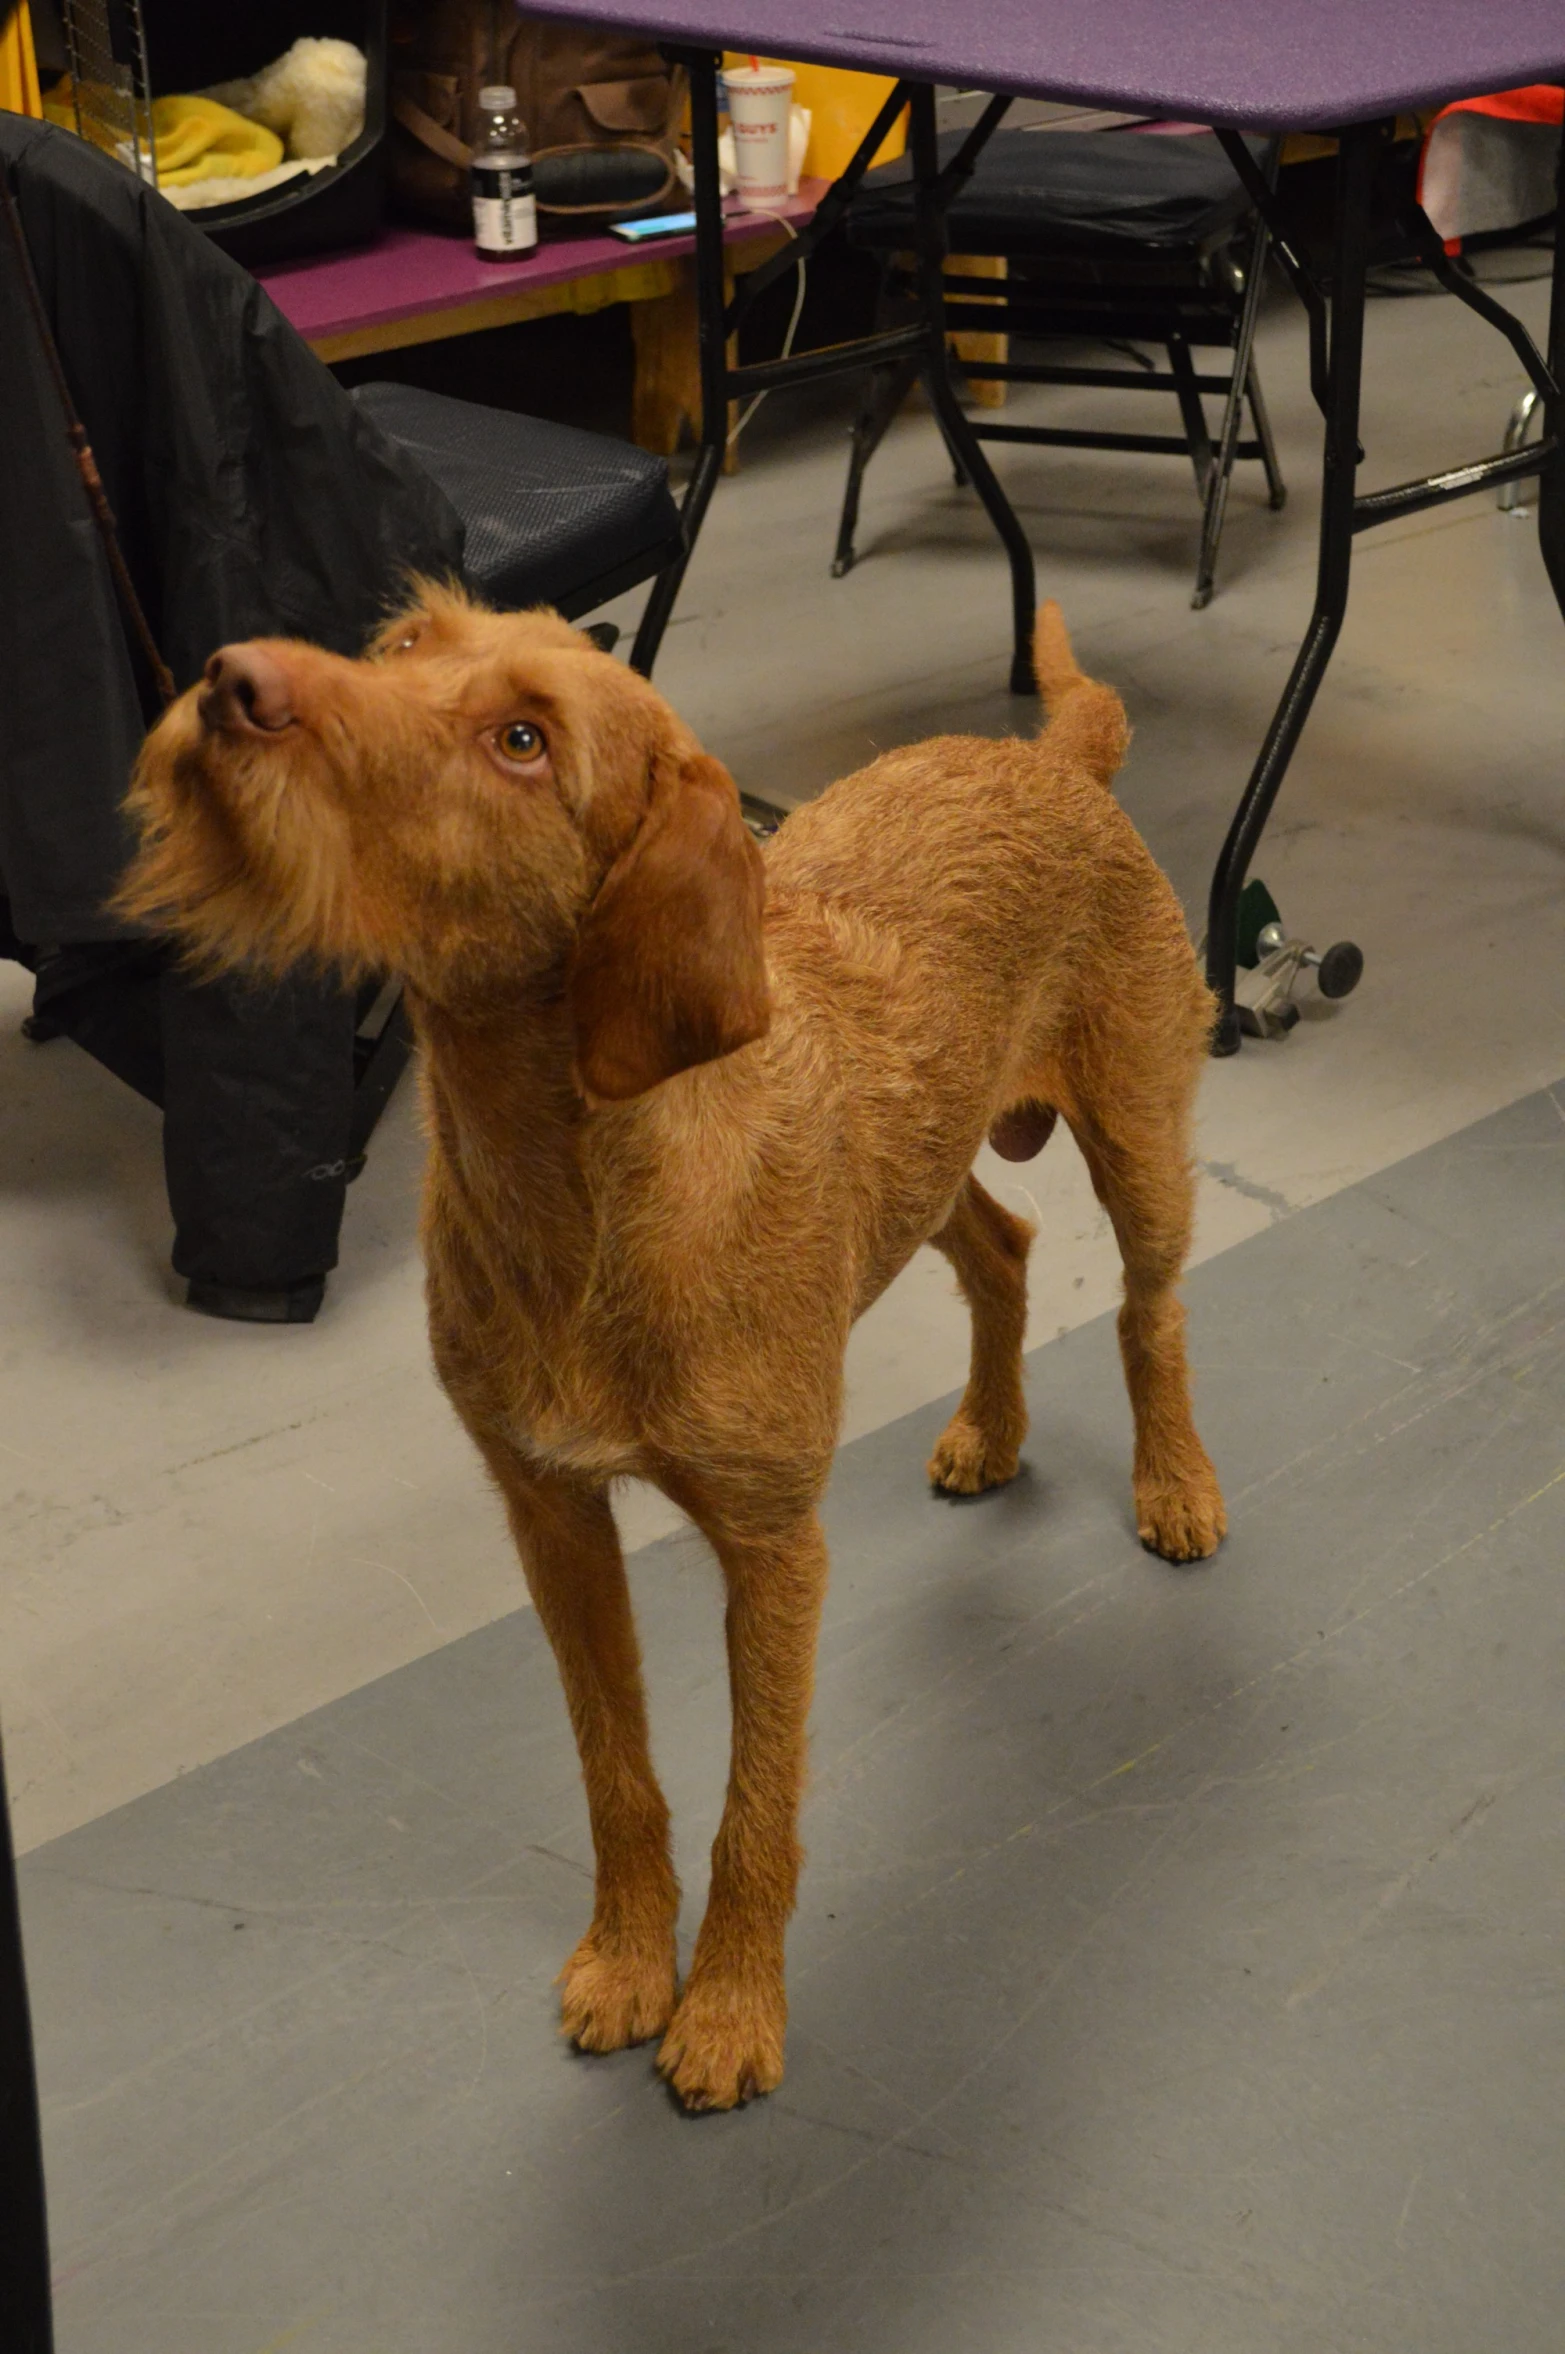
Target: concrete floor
[(212, 1531)]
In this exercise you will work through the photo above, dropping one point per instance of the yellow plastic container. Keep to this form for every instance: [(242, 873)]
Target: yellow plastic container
[(18, 66)]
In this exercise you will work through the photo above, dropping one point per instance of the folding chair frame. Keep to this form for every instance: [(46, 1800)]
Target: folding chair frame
[(1127, 302)]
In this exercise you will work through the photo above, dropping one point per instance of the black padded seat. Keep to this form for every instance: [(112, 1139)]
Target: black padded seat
[(554, 516), (1087, 192)]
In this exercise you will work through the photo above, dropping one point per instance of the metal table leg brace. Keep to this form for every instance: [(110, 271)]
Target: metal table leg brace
[(921, 345), (1336, 322)]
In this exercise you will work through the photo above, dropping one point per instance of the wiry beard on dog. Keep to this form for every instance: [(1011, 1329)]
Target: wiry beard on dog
[(235, 865)]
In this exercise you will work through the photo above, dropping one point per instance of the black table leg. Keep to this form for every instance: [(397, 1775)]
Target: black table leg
[(883, 396), (713, 340), (963, 444), (1551, 483), (1355, 184), (26, 2325), (1242, 386), (923, 343)]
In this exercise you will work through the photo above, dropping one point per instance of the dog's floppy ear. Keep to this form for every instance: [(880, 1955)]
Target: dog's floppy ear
[(669, 969)]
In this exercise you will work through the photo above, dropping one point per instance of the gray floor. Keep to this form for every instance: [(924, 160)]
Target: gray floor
[(1179, 1965)]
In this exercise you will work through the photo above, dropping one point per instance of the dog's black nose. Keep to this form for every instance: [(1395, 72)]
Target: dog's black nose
[(246, 693)]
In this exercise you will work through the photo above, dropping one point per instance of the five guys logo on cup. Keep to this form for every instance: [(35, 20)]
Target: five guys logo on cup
[(760, 107)]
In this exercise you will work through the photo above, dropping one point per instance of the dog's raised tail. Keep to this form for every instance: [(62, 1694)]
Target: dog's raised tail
[(1086, 719)]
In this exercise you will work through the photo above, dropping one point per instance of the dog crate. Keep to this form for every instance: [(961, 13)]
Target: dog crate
[(126, 53), (106, 43)]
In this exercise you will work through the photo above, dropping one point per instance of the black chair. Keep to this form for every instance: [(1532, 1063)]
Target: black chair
[(554, 516), (1120, 238)]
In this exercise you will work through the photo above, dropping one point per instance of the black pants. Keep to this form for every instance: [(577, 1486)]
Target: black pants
[(257, 1107), (255, 1081)]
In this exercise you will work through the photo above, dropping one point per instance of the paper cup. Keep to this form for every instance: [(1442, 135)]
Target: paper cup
[(760, 102)]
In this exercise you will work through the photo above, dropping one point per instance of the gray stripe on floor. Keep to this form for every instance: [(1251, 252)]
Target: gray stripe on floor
[(1179, 1960)]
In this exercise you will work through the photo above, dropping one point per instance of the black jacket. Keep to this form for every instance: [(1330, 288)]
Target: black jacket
[(253, 499)]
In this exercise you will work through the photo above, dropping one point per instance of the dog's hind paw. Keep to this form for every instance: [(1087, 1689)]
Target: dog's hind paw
[(725, 2044), (1185, 1523), (609, 1999), (966, 1460)]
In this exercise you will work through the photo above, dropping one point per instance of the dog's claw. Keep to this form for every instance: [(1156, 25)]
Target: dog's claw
[(725, 2045), (610, 2000), (966, 1460)]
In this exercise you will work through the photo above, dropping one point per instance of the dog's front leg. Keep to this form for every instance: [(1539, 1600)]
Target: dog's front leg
[(726, 2042), (618, 1986)]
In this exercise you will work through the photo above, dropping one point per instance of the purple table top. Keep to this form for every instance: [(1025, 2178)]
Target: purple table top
[(1267, 63), (411, 273)]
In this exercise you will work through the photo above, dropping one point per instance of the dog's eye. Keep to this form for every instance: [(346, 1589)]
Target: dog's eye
[(521, 741)]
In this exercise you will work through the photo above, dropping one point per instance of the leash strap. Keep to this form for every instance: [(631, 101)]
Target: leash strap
[(86, 463)]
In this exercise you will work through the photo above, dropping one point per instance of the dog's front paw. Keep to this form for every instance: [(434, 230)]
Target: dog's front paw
[(966, 1460), (726, 2042), (1184, 1521), (613, 1996)]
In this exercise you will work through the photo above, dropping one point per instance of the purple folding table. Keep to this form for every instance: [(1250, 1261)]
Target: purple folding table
[(1341, 66)]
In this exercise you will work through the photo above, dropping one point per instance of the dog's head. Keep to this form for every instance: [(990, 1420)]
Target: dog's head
[(484, 803)]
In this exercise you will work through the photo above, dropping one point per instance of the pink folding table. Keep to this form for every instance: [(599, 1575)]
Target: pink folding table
[(1341, 66)]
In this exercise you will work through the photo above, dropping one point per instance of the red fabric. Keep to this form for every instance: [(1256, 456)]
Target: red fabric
[(1540, 102)]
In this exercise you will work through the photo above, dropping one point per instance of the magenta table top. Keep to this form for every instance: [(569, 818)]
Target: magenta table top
[(409, 273), (1267, 63)]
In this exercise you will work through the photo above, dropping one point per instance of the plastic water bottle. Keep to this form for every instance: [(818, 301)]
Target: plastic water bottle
[(505, 211)]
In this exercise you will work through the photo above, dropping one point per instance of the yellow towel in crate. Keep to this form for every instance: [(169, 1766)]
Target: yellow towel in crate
[(98, 106), (197, 139)]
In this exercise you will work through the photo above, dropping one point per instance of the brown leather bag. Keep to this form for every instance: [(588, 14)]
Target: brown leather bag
[(601, 110)]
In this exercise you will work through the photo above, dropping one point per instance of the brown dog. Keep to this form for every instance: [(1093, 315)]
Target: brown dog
[(681, 1138)]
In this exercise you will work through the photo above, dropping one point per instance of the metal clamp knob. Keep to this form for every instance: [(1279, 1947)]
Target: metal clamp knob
[(1338, 969)]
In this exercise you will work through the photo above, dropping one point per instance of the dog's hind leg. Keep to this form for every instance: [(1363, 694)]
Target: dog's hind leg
[(1140, 1165), (726, 2040), (618, 1986), (981, 1444)]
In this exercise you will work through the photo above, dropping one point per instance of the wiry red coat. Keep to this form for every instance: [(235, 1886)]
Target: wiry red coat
[(687, 1120)]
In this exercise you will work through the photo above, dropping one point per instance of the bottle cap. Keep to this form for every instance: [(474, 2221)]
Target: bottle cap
[(497, 95)]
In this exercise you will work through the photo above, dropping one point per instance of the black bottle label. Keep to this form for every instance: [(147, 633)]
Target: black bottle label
[(505, 212)]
